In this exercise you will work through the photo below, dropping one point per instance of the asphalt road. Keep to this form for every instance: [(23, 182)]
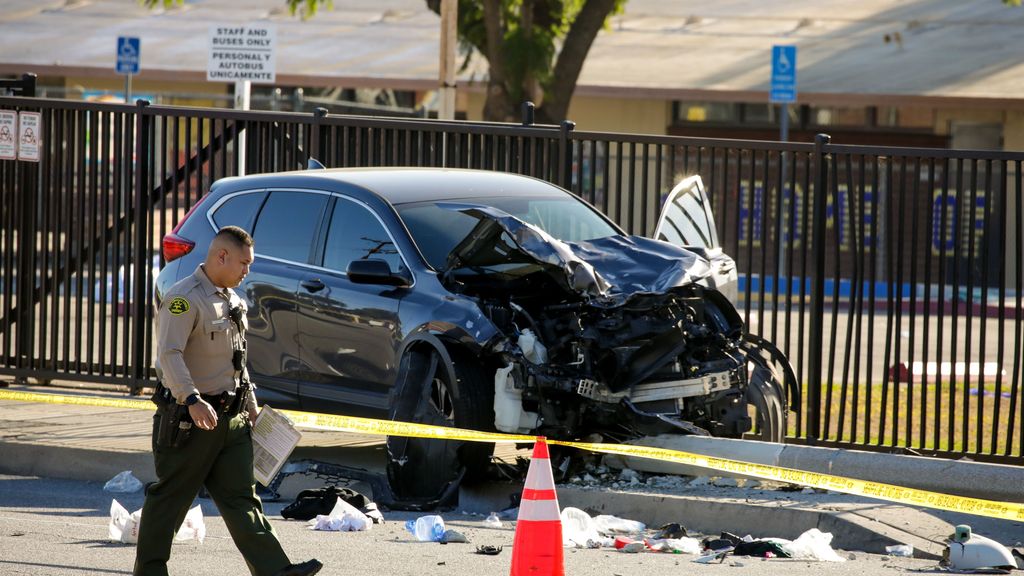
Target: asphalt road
[(59, 527)]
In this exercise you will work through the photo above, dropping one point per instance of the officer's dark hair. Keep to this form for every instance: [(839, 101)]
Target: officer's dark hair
[(236, 236)]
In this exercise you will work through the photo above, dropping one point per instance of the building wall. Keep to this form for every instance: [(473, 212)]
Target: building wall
[(1013, 131), (600, 114)]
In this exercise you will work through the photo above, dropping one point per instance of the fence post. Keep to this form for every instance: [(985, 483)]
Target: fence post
[(314, 137), (28, 85), (817, 324), (140, 259), (28, 196), (528, 112), (565, 153)]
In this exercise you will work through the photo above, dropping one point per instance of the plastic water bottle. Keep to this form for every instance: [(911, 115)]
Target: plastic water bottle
[(493, 521), (426, 528)]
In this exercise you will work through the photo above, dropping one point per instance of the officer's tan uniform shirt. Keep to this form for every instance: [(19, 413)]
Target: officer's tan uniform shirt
[(196, 338)]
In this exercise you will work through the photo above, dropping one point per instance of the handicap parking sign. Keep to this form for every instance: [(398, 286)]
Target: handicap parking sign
[(783, 74), (128, 55)]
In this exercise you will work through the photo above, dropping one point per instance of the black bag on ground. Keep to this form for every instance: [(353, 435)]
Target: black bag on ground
[(311, 503)]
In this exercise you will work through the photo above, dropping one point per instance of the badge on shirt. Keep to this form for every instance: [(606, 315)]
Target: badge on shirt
[(178, 306)]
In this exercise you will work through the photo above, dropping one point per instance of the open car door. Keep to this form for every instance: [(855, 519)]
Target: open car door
[(686, 220)]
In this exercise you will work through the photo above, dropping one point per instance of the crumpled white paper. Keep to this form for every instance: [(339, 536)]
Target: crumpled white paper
[(193, 528), (812, 545), (343, 518), (123, 483), (124, 527)]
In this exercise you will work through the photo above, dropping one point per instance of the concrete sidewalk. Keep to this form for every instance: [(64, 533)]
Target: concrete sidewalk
[(92, 443)]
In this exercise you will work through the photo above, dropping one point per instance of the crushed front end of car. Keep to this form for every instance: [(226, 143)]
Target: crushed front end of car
[(624, 336)]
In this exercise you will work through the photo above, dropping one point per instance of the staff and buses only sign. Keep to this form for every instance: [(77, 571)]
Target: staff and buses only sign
[(244, 52)]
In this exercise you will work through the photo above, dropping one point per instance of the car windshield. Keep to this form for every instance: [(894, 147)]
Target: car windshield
[(437, 230)]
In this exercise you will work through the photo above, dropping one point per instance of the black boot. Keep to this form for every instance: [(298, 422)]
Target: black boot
[(307, 568)]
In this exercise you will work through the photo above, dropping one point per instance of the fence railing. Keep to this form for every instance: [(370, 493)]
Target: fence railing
[(891, 277)]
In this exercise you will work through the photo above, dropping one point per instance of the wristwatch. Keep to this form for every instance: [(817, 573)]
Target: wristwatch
[(192, 399)]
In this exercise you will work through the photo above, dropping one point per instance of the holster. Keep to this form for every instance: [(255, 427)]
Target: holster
[(175, 423)]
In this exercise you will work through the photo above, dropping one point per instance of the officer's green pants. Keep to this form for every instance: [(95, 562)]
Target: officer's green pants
[(222, 460)]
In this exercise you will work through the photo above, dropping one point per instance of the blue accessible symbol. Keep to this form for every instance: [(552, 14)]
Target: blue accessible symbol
[(128, 55)]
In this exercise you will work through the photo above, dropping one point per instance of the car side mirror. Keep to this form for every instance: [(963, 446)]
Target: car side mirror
[(374, 271)]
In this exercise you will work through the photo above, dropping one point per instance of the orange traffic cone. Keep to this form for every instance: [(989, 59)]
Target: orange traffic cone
[(537, 548)]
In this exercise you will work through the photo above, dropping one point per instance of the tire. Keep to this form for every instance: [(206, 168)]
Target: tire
[(766, 393), (457, 393)]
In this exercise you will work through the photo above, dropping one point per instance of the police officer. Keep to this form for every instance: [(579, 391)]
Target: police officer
[(205, 397)]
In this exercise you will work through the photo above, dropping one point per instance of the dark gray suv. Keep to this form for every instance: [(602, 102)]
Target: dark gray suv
[(484, 300)]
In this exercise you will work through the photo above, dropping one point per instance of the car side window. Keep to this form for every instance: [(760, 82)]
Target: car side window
[(287, 225), (356, 234), (239, 210)]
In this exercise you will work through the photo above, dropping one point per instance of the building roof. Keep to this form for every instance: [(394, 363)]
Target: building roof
[(870, 51)]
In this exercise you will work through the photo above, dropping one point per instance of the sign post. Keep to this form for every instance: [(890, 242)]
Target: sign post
[(783, 90), (242, 54), (128, 51)]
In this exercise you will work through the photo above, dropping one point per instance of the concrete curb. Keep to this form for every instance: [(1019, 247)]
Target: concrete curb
[(958, 477)]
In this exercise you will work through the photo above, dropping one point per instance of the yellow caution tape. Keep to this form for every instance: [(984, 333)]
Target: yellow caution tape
[(76, 400), (877, 490), (396, 428)]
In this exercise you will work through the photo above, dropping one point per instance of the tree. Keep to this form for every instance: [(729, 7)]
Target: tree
[(534, 49)]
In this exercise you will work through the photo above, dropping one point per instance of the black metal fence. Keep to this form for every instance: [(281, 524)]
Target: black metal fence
[(891, 277)]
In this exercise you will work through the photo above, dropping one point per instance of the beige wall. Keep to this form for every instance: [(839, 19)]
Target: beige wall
[(944, 117), (1013, 132)]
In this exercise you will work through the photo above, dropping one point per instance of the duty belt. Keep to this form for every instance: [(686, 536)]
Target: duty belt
[(227, 402)]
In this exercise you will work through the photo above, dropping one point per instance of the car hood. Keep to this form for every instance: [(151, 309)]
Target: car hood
[(605, 271)]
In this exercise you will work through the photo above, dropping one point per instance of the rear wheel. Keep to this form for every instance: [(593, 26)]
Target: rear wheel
[(457, 393)]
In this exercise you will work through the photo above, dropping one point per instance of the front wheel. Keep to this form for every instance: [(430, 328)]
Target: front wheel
[(452, 393)]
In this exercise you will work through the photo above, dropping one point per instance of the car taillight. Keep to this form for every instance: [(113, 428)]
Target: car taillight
[(175, 247)]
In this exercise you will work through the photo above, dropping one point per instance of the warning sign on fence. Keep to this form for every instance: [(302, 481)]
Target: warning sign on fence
[(30, 134), (239, 53), (8, 135)]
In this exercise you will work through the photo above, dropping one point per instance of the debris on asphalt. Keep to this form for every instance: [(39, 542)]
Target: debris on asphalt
[(193, 527), (671, 530), (683, 545), (315, 502), (123, 483), (579, 530), (715, 556), (612, 525), (972, 553), (343, 518), (124, 526), (453, 537), (492, 520), (901, 550), (812, 545), (488, 550), (428, 528)]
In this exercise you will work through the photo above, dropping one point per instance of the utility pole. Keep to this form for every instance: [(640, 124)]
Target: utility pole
[(449, 19)]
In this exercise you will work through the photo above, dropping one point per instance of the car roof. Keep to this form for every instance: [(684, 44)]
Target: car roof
[(408, 185)]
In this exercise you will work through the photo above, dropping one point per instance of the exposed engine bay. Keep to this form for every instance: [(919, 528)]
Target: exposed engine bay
[(625, 336)]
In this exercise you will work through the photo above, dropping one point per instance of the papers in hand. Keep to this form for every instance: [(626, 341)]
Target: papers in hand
[(273, 439)]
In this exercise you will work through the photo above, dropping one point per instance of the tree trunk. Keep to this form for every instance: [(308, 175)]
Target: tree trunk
[(496, 105), (570, 60)]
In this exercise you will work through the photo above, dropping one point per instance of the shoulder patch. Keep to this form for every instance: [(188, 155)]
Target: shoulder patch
[(178, 306)]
